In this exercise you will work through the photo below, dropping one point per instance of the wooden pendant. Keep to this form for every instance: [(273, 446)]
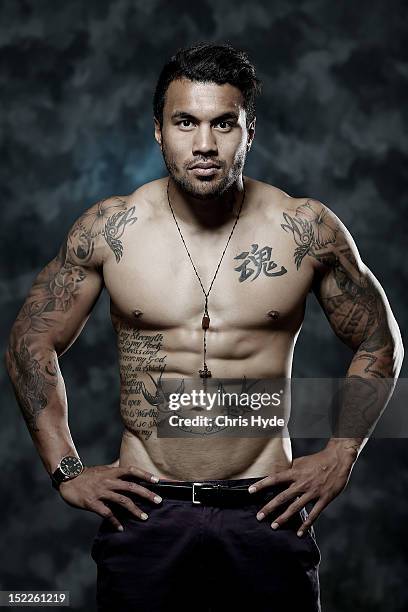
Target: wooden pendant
[(205, 323)]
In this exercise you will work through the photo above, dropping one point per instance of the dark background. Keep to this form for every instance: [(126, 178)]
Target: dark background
[(77, 80)]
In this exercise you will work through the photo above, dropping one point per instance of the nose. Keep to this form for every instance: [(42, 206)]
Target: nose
[(204, 141)]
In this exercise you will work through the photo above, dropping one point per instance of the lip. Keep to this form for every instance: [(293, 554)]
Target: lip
[(205, 170)]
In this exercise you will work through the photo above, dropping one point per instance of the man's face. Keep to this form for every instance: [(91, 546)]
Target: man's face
[(204, 122)]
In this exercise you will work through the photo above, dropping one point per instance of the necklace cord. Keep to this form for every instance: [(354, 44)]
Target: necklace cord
[(206, 317)]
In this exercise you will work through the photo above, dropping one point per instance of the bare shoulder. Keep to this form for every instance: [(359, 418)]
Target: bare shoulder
[(276, 200), (315, 230), (267, 199), (318, 234), (89, 236), (145, 197), (100, 230)]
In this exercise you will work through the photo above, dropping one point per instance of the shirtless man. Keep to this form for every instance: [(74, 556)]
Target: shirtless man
[(155, 548)]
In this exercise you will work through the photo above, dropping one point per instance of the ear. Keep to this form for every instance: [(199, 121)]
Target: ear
[(157, 132), (251, 133)]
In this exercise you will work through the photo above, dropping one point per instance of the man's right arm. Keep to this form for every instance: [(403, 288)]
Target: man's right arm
[(51, 318)]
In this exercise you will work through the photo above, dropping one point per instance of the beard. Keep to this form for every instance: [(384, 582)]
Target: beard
[(204, 188)]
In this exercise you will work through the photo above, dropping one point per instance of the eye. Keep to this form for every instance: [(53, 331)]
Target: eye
[(225, 124), (184, 121)]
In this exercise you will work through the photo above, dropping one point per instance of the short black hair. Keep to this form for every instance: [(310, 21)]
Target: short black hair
[(208, 62)]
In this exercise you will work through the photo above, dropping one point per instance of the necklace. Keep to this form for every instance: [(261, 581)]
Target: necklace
[(205, 322)]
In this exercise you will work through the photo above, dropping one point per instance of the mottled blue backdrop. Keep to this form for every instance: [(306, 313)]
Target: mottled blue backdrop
[(76, 125)]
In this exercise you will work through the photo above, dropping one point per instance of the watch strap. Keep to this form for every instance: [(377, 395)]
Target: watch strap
[(57, 477)]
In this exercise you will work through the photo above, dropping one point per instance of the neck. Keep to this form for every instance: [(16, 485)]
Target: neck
[(208, 213)]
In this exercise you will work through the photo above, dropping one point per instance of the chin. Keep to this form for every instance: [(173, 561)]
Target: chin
[(203, 189)]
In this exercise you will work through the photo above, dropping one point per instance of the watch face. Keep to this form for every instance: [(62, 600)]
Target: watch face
[(71, 466)]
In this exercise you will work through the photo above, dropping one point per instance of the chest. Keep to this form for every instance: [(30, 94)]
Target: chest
[(257, 283)]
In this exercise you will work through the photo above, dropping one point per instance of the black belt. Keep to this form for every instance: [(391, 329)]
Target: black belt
[(208, 493)]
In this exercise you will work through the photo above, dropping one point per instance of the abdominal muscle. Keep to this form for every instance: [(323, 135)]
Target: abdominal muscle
[(197, 457)]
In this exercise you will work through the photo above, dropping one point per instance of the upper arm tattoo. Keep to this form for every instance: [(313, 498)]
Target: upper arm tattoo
[(311, 228), (349, 294), (108, 219)]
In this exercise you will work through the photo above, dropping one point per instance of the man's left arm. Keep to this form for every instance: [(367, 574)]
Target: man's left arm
[(360, 315)]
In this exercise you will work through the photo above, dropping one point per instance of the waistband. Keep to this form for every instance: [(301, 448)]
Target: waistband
[(216, 492), (225, 482)]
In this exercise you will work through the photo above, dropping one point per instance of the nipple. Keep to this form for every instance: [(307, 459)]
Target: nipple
[(137, 313), (273, 314)]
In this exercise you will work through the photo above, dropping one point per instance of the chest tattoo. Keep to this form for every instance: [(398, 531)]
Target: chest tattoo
[(256, 261)]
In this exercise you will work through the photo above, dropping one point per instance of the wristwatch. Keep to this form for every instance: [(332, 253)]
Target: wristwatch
[(68, 468)]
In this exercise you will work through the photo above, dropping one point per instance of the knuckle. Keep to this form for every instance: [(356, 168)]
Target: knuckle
[(89, 502)]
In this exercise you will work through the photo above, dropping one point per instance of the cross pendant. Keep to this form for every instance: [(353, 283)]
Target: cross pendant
[(206, 373)]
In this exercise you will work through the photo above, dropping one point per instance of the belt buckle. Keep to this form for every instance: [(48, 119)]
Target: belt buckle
[(208, 485), (193, 499)]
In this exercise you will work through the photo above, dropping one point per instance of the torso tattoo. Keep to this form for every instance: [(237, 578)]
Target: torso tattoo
[(255, 261)]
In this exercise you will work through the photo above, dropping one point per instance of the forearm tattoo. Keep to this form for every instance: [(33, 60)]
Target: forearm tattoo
[(34, 370), (33, 381)]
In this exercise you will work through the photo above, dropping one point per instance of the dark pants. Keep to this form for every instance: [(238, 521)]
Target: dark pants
[(200, 558)]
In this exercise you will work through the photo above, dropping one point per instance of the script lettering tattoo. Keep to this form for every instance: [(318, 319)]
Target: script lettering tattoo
[(140, 353), (256, 261)]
